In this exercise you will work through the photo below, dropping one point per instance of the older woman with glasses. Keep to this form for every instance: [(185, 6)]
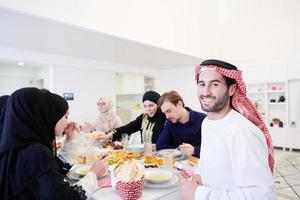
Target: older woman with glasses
[(107, 119)]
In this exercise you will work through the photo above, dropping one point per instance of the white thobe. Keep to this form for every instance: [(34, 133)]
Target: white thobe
[(234, 161)]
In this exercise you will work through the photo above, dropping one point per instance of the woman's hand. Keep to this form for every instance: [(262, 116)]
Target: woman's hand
[(71, 129), (104, 137), (100, 167), (86, 127)]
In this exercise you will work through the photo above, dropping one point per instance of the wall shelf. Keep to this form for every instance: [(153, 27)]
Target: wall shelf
[(288, 111)]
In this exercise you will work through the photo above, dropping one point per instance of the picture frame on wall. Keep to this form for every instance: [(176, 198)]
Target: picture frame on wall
[(69, 96)]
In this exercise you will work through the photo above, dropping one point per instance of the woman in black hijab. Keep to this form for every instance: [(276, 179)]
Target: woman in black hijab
[(28, 167), (150, 123)]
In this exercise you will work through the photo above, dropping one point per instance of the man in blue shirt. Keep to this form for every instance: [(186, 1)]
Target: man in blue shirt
[(183, 126)]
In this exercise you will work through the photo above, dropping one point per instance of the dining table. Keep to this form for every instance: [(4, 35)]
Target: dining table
[(169, 191), (165, 193), (148, 194)]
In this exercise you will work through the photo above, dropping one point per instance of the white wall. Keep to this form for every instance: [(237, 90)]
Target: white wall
[(87, 78), (87, 85), (13, 78), (182, 80)]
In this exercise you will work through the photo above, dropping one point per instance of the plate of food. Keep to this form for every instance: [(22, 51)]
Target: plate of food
[(80, 171), (121, 155), (158, 176), (152, 162)]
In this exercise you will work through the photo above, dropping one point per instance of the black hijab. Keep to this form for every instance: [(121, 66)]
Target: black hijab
[(3, 100), (34, 112), (30, 119), (159, 118)]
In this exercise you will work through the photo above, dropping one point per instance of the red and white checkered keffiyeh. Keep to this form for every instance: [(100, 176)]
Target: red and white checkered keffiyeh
[(242, 104)]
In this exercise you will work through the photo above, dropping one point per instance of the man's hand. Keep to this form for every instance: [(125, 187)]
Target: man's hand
[(187, 189), (187, 149), (197, 180)]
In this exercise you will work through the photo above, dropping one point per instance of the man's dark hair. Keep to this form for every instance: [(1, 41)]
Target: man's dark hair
[(219, 63)]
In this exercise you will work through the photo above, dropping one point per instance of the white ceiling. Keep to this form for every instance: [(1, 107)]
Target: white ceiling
[(19, 30), (244, 32)]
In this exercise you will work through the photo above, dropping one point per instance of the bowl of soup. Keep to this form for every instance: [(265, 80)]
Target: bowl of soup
[(160, 175)]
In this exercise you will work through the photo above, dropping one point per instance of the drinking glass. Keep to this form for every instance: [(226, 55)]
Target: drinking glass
[(168, 160), (148, 149)]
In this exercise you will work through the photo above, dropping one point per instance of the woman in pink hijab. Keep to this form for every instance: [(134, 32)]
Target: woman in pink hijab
[(107, 119)]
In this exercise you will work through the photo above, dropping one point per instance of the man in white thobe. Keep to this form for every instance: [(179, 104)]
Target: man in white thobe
[(236, 160)]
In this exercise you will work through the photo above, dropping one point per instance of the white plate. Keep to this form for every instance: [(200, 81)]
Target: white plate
[(111, 167), (158, 176), (135, 147), (76, 173), (82, 170), (174, 152), (173, 182)]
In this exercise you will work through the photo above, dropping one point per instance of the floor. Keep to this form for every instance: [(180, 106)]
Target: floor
[(287, 175)]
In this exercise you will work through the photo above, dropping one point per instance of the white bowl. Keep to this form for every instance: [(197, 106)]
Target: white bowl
[(158, 175), (174, 152)]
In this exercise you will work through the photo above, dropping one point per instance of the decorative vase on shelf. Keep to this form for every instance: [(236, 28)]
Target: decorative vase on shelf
[(276, 122)]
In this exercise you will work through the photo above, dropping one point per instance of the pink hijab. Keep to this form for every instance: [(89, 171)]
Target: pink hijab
[(107, 118), (243, 105)]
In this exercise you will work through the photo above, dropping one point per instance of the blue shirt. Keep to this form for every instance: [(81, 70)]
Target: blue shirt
[(175, 134)]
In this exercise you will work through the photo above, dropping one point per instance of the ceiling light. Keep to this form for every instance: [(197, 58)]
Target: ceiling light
[(20, 63)]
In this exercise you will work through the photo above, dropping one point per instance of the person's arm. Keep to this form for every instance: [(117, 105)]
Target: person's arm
[(51, 185), (196, 151), (129, 128), (165, 139), (68, 151), (63, 166), (198, 147)]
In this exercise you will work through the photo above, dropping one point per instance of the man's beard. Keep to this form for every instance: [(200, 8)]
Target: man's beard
[(218, 105)]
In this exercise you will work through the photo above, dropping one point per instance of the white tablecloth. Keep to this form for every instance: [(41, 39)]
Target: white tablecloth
[(171, 193)]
